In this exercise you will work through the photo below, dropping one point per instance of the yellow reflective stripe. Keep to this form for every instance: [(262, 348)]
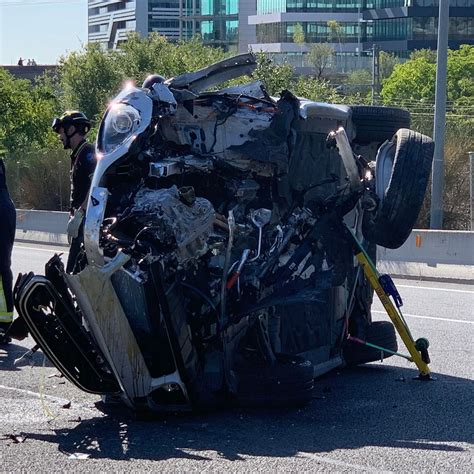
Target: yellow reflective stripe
[(81, 146), (6, 317), (3, 300)]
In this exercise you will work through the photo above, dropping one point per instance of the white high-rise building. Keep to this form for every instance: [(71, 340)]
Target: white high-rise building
[(110, 21)]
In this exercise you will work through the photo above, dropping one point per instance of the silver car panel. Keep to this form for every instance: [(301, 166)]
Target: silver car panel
[(106, 319), (98, 195), (218, 73)]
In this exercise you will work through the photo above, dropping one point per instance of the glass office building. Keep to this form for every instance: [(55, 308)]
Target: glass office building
[(401, 26), (353, 27), (336, 22), (110, 21), (216, 21)]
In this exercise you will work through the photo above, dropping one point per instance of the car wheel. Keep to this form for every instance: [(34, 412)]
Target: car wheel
[(377, 124), (288, 382), (380, 333), (402, 173)]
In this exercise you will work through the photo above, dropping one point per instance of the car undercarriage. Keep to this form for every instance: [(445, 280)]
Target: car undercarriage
[(219, 258)]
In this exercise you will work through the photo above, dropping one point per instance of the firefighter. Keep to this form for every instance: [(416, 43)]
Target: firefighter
[(7, 236), (72, 128)]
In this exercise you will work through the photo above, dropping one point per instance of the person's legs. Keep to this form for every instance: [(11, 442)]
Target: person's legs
[(6, 276), (7, 238)]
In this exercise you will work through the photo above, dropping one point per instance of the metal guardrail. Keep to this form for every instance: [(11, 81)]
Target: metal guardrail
[(426, 254)]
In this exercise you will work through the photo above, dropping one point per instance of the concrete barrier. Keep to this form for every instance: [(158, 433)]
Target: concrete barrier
[(443, 254), (48, 227), (446, 254)]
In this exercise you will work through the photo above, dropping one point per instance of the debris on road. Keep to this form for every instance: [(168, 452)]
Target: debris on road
[(17, 439), (79, 456)]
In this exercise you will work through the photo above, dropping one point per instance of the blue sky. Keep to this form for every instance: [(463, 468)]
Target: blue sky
[(41, 29)]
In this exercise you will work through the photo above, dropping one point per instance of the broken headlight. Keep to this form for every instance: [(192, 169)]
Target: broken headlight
[(120, 123)]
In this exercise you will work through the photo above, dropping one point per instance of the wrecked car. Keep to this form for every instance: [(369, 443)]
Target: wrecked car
[(218, 262)]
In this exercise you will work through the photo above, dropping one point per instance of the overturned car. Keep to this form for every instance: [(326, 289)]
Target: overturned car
[(218, 260)]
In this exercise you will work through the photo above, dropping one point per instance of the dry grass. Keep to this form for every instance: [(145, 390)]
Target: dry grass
[(39, 179), (459, 142)]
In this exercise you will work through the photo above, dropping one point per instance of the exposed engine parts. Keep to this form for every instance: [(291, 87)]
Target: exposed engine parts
[(218, 256)]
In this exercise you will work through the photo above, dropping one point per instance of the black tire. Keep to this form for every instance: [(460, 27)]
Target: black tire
[(381, 333), (391, 223), (289, 382), (377, 124)]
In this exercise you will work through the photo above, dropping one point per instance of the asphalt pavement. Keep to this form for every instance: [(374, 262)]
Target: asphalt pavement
[(375, 418)]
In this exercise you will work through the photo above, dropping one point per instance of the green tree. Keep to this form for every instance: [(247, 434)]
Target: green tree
[(299, 39), (360, 80), (298, 34), (275, 77), (336, 34), (25, 112), (89, 79), (315, 89), (427, 54), (387, 63), (155, 55), (319, 56), (413, 83)]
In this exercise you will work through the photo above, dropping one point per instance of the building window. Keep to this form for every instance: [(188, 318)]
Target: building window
[(422, 28), (163, 4), (157, 25), (271, 6), (314, 32), (306, 6), (461, 28), (391, 3), (219, 7), (219, 30)]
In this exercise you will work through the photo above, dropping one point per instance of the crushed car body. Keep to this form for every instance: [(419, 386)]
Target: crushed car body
[(218, 261)]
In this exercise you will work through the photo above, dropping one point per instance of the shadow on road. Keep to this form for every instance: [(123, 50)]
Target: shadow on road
[(11, 352), (374, 405)]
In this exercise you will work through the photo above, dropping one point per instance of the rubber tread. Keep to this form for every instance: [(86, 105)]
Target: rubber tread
[(395, 218), (376, 123), (288, 382), (381, 333)]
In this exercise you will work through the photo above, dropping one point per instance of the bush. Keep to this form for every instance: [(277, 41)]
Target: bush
[(39, 178), (459, 141)]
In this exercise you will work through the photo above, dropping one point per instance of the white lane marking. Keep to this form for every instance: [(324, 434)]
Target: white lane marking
[(335, 462), (44, 396), (34, 394), (433, 288), (52, 250), (429, 317)]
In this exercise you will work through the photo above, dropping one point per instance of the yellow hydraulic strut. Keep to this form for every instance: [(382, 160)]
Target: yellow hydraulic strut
[(419, 349)]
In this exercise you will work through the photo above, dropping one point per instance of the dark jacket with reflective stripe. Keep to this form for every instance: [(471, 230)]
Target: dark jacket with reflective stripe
[(7, 211), (7, 236), (82, 168)]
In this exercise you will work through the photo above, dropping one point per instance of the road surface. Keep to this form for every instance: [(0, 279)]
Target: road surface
[(374, 418)]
